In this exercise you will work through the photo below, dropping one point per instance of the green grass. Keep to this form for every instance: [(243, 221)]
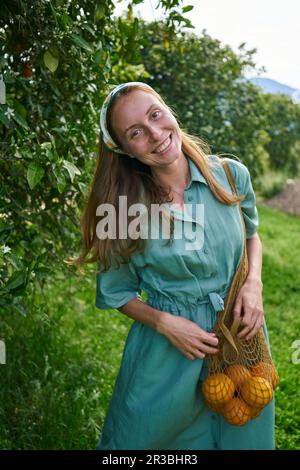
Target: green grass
[(280, 234), (63, 359)]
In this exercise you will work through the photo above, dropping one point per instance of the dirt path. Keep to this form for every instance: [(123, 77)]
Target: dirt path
[(288, 200)]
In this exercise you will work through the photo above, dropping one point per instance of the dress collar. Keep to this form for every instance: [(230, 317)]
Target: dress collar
[(196, 174)]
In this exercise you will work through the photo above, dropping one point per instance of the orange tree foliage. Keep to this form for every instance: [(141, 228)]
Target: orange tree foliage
[(58, 60)]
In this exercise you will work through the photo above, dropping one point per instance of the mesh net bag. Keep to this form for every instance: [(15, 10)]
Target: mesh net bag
[(241, 377)]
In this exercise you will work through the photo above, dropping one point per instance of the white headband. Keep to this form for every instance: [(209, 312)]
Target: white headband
[(109, 142)]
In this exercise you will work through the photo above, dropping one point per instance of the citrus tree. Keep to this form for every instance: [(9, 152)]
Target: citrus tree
[(58, 60)]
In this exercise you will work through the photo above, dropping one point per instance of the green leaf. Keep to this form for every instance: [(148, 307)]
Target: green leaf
[(21, 309), (14, 261), (101, 57), (66, 19), (51, 59), (72, 169), (99, 13), (81, 42), (60, 179), (52, 139), (89, 29), (42, 272), (187, 8), (19, 119), (54, 13), (3, 118), (83, 187), (31, 265), (54, 88), (46, 145), (21, 110), (46, 148), (60, 130), (16, 280), (4, 302), (34, 174)]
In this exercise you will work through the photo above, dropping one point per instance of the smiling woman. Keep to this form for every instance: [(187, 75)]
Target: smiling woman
[(135, 123), (154, 135), (145, 157)]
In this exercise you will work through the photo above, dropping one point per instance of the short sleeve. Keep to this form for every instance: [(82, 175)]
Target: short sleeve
[(117, 286), (244, 187)]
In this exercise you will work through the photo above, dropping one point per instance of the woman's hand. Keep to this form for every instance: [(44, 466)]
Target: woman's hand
[(249, 306), (187, 336)]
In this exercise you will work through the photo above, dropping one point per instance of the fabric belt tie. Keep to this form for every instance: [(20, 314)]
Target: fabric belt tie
[(216, 301)]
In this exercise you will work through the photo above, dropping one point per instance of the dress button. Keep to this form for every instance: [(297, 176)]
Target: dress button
[(205, 251), (190, 198), (213, 417)]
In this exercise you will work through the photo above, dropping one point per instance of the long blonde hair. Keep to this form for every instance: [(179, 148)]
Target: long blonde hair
[(119, 175)]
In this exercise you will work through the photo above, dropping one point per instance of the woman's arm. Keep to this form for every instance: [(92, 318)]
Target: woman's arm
[(184, 334), (144, 313), (254, 251), (249, 303)]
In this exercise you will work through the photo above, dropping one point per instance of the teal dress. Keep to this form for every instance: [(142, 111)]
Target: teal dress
[(157, 401)]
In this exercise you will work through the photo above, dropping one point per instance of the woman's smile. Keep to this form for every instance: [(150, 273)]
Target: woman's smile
[(165, 146)]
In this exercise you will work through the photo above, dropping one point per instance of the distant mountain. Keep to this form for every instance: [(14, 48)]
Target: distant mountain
[(271, 86)]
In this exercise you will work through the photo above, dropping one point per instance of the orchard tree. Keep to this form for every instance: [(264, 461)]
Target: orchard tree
[(58, 61), (284, 132)]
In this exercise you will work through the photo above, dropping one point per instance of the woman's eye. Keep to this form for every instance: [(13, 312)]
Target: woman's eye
[(155, 112), (135, 133)]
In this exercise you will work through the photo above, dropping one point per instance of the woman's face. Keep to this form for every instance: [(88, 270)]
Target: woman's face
[(146, 129)]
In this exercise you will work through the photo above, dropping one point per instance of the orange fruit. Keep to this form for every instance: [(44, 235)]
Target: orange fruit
[(255, 411), (238, 374), (257, 391), (215, 407), (26, 71), (267, 371), (19, 47), (237, 412), (218, 388)]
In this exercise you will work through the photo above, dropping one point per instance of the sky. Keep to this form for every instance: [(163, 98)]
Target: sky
[(270, 26)]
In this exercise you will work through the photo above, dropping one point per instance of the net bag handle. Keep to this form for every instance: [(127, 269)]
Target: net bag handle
[(228, 327)]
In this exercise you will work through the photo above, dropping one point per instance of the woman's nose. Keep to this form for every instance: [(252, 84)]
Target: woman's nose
[(155, 134)]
